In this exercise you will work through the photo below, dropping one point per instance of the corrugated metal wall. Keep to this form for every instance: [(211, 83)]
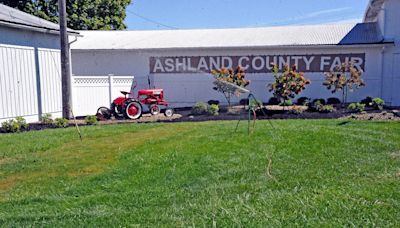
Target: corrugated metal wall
[(20, 67), (50, 80), (17, 81)]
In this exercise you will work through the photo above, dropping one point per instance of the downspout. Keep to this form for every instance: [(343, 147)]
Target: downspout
[(70, 67), (382, 69)]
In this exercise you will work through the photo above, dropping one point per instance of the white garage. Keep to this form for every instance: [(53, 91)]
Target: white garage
[(30, 79), (180, 60)]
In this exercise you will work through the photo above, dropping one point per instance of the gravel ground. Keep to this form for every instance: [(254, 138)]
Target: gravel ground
[(146, 118), (390, 116)]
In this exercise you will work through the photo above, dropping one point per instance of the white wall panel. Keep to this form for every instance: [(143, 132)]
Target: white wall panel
[(18, 92), (50, 80)]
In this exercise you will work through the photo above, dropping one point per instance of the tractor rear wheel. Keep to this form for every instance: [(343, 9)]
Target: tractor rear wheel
[(133, 110)]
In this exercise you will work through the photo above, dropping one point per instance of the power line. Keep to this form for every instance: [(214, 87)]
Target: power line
[(151, 20)]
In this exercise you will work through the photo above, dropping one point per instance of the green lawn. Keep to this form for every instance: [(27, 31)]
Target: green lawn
[(303, 173)]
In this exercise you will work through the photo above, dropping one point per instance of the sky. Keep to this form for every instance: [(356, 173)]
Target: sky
[(195, 14)]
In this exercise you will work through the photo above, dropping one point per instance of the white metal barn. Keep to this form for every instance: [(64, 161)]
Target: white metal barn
[(180, 60), (30, 80)]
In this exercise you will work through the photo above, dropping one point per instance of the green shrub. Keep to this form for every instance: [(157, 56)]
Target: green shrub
[(377, 103), (333, 101), (14, 125), (213, 110), (303, 101), (321, 107), (61, 122), (253, 104), (200, 108), (367, 101), (22, 122), (327, 109), (91, 120), (356, 107), (286, 103), (47, 118), (10, 126), (273, 101), (319, 101)]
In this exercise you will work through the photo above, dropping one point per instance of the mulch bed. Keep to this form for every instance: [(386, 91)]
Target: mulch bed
[(271, 112)]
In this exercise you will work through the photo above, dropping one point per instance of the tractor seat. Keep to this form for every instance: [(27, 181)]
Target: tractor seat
[(125, 93)]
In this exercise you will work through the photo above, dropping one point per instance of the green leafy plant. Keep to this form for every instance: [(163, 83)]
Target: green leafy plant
[(327, 109), (10, 126), (344, 77), (288, 83), (213, 110), (233, 76), (254, 104), (61, 122), (333, 101), (200, 108), (22, 122), (367, 101), (14, 125), (286, 103), (47, 118), (91, 120), (356, 107), (319, 101), (273, 101), (320, 106), (377, 103), (304, 101)]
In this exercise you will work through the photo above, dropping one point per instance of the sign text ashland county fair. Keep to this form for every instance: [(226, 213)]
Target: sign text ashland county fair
[(253, 63)]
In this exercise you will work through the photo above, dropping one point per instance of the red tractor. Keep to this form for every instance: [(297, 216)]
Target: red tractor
[(132, 108)]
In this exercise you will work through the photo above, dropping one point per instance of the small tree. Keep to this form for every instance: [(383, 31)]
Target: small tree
[(288, 83), (234, 76), (344, 77)]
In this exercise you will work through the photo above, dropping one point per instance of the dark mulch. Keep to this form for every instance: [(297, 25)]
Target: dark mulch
[(184, 115)]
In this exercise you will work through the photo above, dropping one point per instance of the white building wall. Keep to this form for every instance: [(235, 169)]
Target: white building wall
[(389, 19), (186, 89), (29, 74)]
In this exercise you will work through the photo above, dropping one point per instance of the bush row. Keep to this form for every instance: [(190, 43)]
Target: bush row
[(19, 123)]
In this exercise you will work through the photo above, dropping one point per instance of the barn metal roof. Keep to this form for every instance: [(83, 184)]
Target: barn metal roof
[(16, 18), (309, 35)]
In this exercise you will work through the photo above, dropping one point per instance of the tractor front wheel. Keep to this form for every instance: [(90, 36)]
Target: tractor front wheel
[(154, 109), (133, 110), (169, 112)]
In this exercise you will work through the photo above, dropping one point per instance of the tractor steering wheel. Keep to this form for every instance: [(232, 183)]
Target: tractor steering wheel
[(133, 87)]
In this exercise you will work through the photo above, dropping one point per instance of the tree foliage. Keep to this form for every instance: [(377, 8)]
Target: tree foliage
[(288, 83), (233, 76), (343, 78), (82, 14)]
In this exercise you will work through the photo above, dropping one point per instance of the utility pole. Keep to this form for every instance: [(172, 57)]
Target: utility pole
[(65, 61)]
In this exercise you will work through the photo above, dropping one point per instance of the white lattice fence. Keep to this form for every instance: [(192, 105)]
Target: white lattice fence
[(91, 92)]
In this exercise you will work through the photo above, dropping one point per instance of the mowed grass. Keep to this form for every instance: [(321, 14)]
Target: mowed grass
[(301, 173)]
